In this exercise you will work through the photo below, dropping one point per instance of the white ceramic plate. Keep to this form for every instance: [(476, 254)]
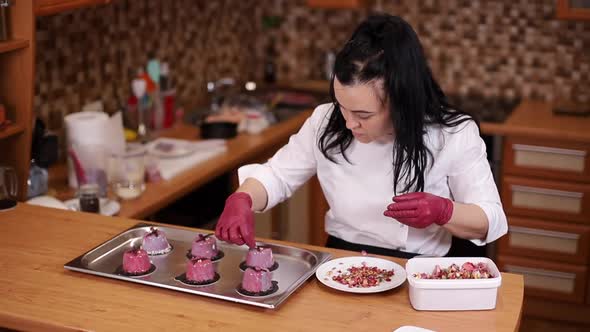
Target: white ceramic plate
[(108, 207), (170, 148), (325, 272)]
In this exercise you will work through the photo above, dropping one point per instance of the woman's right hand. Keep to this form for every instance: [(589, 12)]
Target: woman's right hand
[(236, 224)]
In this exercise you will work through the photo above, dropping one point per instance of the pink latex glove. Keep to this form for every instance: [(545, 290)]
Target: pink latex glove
[(420, 210), (236, 224)]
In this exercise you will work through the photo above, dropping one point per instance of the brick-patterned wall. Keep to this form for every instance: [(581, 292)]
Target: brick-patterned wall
[(92, 53), (495, 47)]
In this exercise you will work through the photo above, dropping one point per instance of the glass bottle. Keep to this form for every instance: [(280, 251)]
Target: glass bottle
[(89, 201)]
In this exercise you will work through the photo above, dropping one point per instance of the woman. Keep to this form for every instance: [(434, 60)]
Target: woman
[(401, 170)]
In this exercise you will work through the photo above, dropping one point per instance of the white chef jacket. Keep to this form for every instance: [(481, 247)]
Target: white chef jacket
[(359, 192)]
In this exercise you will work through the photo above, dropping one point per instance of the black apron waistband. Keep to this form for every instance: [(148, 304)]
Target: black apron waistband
[(337, 243)]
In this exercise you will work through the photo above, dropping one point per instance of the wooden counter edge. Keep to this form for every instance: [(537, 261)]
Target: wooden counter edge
[(117, 225)]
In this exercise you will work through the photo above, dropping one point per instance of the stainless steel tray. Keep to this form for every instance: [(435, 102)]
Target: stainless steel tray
[(295, 265)]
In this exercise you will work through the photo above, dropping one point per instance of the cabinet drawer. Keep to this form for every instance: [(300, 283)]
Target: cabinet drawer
[(547, 159), (551, 240), (561, 201), (559, 281)]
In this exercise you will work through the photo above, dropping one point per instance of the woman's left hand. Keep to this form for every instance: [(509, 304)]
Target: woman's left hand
[(420, 209)]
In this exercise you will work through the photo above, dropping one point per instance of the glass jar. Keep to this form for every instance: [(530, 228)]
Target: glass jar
[(128, 172), (88, 195)]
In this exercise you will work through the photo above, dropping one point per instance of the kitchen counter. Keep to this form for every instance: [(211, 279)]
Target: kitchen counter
[(240, 150), (529, 118), (39, 294), (536, 119)]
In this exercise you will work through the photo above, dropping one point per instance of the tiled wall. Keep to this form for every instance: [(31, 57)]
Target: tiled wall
[(495, 47), (93, 53)]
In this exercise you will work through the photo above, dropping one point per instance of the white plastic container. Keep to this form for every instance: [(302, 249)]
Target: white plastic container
[(452, 294)]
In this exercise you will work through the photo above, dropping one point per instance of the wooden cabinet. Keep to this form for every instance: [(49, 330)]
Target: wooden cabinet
[(16, 91), (573, 9), (49, 7), (548, 279), (548, 199), (547, 159), (558, 241), (318, 207), (546, 196)]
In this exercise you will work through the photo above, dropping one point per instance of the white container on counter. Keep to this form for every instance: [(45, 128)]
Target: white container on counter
[(451, 294)]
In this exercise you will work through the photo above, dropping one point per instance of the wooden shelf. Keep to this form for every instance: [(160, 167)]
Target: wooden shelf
[(564, 10), (12, 129), (13, 45), (51, 7)]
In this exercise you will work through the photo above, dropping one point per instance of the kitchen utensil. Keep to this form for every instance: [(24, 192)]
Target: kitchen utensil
[(139, 86), (8, 187), (295, 265), (219, 130)]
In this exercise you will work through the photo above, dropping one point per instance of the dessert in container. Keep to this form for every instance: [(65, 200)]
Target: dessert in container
[(451, 294)]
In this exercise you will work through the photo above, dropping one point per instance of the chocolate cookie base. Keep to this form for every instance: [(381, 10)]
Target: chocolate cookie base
[(217, 257), (122, 272), (243, 266), (273, 289), (182, 278)]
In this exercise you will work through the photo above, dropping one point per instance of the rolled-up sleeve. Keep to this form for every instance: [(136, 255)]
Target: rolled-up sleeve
[(292, 165), (471, 180)]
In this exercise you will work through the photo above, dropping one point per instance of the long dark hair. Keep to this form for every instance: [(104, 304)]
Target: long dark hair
[(385, 47)]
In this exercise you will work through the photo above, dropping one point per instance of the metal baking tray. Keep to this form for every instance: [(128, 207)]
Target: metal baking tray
[(295, 265)]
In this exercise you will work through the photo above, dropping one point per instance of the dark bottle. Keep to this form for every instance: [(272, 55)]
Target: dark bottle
[(89, 201), (270, 70)]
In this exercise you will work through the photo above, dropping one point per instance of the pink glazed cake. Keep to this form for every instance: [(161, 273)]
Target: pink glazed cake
[(136, 262), (200, 270), (156, 243), (260, 257), (204, 247), (257, 280)]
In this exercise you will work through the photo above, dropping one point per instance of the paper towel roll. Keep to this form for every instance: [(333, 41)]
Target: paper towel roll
[(85, 129)]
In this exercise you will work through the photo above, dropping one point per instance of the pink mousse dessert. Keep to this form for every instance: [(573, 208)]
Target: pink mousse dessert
[(200, 270), (256, 280), (204, 247), (156, 243), (136, 261), (260, 257)]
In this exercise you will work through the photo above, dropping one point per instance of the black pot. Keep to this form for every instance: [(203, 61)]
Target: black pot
[(219, 129)]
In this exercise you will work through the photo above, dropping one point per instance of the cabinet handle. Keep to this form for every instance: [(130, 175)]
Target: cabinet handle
[(543, 273), (543, 232), (546, 149), (545, 191)]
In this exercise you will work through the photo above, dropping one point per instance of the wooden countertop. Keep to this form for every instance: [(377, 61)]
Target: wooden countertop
[(39, 294), (530, 118), (240, 150), (536, 119)]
